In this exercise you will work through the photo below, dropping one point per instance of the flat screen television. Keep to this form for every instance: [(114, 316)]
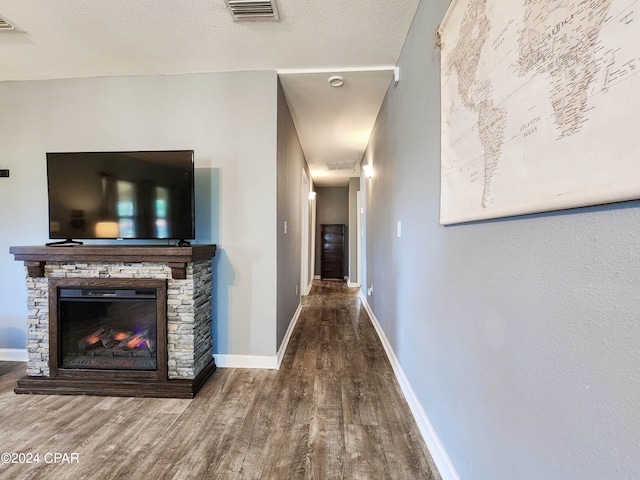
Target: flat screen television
[(121, 195)]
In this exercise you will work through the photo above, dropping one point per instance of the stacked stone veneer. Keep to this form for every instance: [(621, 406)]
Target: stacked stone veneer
[(189, 342)]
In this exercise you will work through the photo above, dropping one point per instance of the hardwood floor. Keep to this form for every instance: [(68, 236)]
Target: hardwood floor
[(333, 411)]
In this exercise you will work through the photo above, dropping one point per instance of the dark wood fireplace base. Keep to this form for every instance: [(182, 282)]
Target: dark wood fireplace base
[(116, 387), (181, 278)]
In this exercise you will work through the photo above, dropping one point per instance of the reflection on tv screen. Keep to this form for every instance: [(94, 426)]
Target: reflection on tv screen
[(128, 195)]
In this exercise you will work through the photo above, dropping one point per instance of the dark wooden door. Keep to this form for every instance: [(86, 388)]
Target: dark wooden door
[(332, 252)]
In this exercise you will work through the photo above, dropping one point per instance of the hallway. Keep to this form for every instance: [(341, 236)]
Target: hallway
[(334, 410), (358, 417)]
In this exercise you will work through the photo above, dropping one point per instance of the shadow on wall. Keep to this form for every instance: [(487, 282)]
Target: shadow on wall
[(207, 187), (222, 280), (207, 193), (12, 337)]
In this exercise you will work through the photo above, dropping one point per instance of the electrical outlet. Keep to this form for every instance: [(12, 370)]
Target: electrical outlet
[(370, 290), (297, 289)]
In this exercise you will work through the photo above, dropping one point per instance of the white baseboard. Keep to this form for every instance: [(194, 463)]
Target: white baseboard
[(353, 285), (13, 355), (256, 361), (438, 453), (246, 361), (287, 336), (317, 277)]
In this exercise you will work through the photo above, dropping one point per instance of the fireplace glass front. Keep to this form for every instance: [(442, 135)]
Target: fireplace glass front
[(107, 329)]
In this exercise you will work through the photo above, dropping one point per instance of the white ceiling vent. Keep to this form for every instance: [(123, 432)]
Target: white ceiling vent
[(253, 11), (5, 25), (341, 165)]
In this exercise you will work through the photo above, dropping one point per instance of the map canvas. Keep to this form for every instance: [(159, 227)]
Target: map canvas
[(540, 106)]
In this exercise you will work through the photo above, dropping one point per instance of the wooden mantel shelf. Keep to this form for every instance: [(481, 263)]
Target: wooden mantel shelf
[(36, 257)]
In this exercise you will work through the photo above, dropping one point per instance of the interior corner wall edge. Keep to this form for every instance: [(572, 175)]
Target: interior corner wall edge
[(291, 163)]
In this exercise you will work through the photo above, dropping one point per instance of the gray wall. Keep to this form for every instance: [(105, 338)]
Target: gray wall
[(332, 206), (291, 163), (519, 336), (228, 119)]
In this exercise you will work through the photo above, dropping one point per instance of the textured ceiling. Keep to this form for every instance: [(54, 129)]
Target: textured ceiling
[(80, 38)]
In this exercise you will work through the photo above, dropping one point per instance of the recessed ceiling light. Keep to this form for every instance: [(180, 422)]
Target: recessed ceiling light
[(336, 81)]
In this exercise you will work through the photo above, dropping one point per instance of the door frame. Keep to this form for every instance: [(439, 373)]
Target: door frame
[(305, 283)]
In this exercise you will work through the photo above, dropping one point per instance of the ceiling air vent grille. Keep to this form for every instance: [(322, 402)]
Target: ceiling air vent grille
[(252, 11), (5, 25), (341, 165)]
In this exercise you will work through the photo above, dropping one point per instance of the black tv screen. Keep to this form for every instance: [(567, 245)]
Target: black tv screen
[(121, 195)]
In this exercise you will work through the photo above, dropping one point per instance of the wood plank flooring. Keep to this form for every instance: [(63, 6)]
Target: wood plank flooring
[(333, 411)]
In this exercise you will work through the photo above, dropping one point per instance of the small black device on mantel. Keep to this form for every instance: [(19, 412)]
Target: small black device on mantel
[(121, 195)]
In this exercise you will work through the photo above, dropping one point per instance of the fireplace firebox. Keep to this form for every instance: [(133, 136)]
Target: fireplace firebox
[(103, 328), (113, 327)]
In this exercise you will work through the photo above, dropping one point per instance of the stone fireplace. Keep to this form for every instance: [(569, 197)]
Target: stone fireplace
[(111, 320)]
